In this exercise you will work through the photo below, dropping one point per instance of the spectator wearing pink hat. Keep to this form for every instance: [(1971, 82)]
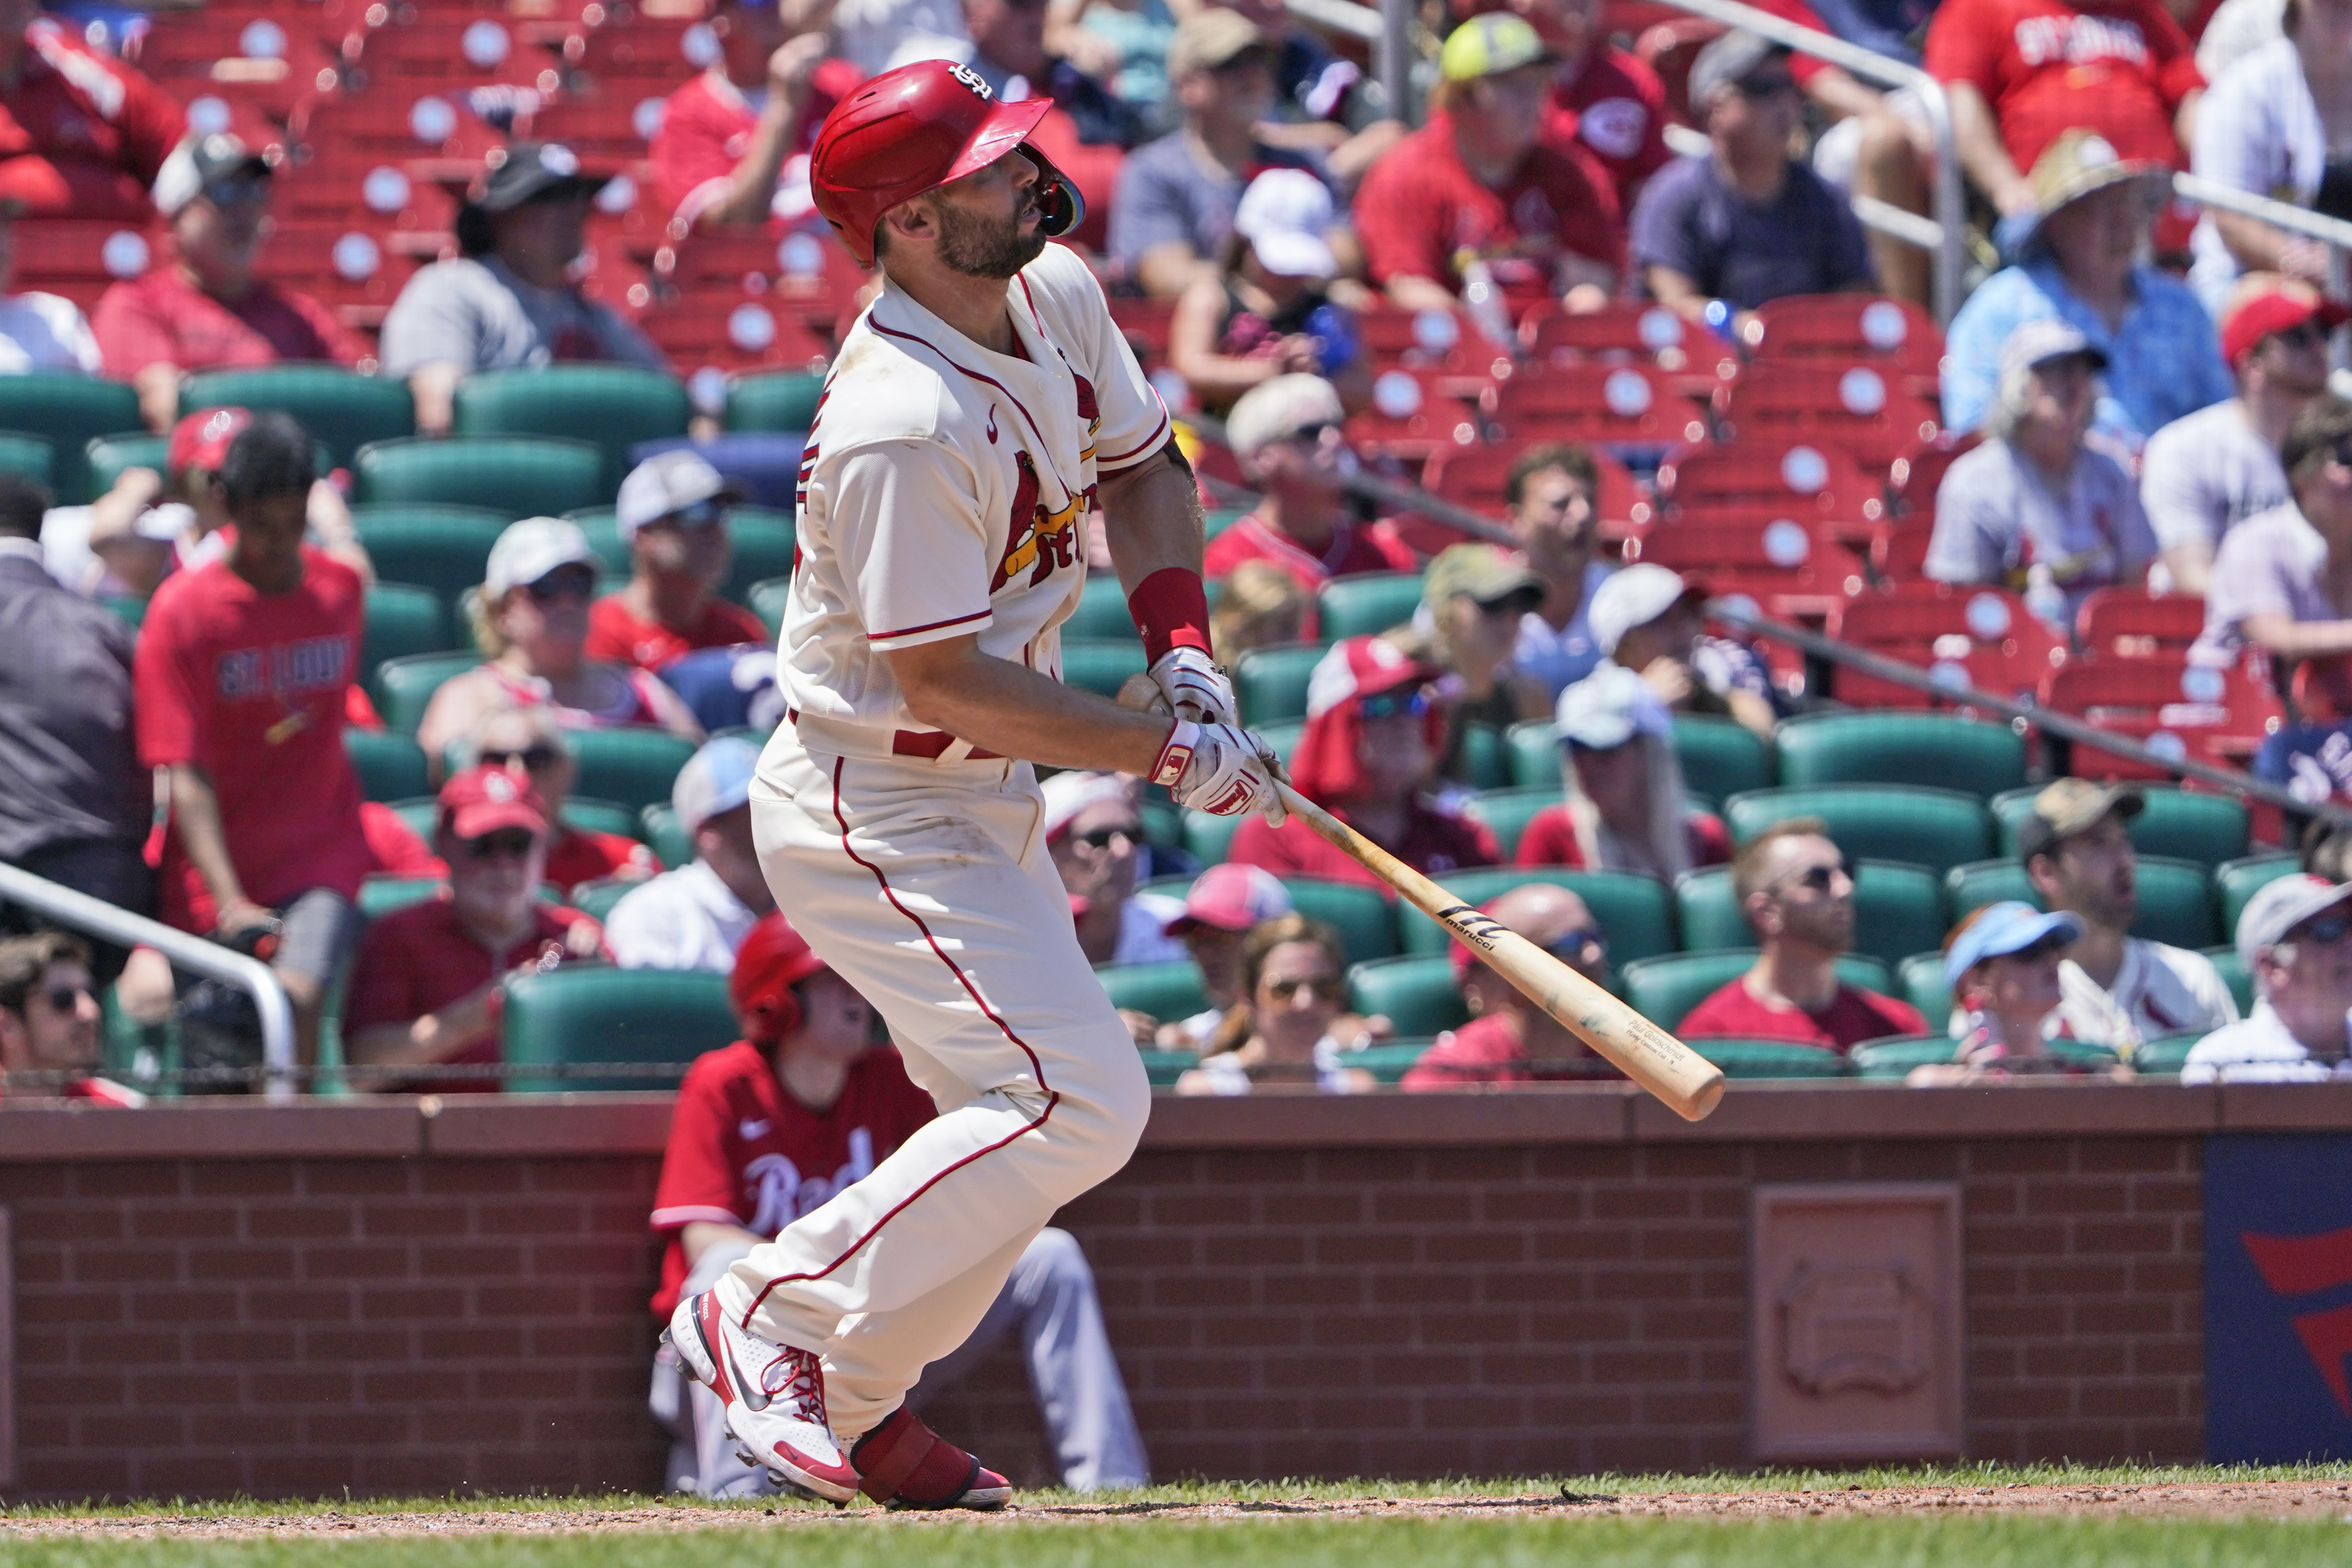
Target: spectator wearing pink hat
[(426, 989), (2205, 473), (1369, 751), (1285, 434), (1094, 831), (1507, 1031), (1219, 909)]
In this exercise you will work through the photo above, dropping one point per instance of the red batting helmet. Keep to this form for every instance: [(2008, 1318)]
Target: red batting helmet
[(773, 959), (915, 128)]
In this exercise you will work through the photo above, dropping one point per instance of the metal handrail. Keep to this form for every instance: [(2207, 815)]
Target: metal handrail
[(2333, 232), (210, 959)]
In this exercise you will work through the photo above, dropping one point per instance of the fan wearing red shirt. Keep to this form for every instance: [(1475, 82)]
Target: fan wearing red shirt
[(82, 135), (1793, 885), (1285, 434), (1508, 1031), (1368, 749), (240, 678), (672, 510), (427, 987), (203, 308), (1480, 180), (2022, 72), (766, 1131), (1602, 100), (531, 744), (733, 142)]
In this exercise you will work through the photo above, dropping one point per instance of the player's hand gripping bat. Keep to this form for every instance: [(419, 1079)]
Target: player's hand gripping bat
[(1687, 1081)]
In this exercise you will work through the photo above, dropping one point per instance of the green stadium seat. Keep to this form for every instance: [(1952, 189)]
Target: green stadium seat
[(443, 548), (1210, 840), (382, 896), (767, 600), (343, 410), (1897, 1055), (1363, 916), (1163, 829), (68, 410), (1921, 981), (514, 476), (1486, 762), (2235, 882), (1416, 993), (131, 611), (1102, 610), (390, 765), (1217, 522), (1883, 747), (2233, 975), (1721, 756), (1367, 604), (1898, 910), (1163, 1068), (633, 767), (778, 402), (2174, 905), (1164, 991), (595, 899), (1770, 1059), (1508, 812), (1101, 664), (1270, 684), (657, 826), (1664, 990), (420, 812), (1532, 749), (402, 619), (616, 406), (762, 536), (600, 526), (1635, 911), (1935, 828), (2186, 824), (402, 688), (595, 1013), (34, 457), (108, 456), (1388, 1063), (592, 816), (2164, 1056)]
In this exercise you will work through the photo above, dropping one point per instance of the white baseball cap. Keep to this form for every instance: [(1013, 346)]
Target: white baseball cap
[(531, 548), (2282, 905), (1609, 708), (1073, 791), (1634, 597), (674, 481), (714, 780), (1282, 406), (1283, 216)]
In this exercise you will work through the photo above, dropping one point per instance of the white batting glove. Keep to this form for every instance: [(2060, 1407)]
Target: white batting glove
[(1195, 688), (1220, 768)]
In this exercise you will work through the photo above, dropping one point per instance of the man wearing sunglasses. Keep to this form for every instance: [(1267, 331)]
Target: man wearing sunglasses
[(426, 989), (672, 513), (2204, 474), (49, 1021), (1285, 434), (1508, 1031), (1094, 830), (1795, 887), (201, 308), (531, 744), (2295, 936)]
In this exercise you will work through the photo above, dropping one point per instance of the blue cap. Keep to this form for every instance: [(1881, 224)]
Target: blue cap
[(714, 780), (2008, 926)]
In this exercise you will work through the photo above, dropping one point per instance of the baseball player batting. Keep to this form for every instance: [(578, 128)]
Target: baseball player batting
[(977, 411)]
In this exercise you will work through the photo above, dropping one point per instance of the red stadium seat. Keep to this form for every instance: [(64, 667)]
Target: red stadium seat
[(1985, 669), (1789, 567), (1427, 339), (1913, 478), (2132, 621), (1624, 406), (81, 257), (438, 51), (1474, 477), (1823, 480), (600, 130), (1694, 359), (2167, 704), (626, 60), (1857, 408), (732, 335), (1414, 414), (1921, 623), (1145, 323), (1841, 329), (1898, 550), (260, 57)]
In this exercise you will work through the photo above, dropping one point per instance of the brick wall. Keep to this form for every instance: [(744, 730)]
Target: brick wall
[(231, 1298)]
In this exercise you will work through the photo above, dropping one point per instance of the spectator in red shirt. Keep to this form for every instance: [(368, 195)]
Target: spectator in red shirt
[(530, 743), (82, 135), (204, 310), (733, 143), (1368, 752), (1507, 1030), (426, 989), (673, 512), (1286, 435), (1793, 885), (240, 678), (2021, 73), (768, 1129), (1602, 100), (49, 1021), (1624, 810), (1479, 189)]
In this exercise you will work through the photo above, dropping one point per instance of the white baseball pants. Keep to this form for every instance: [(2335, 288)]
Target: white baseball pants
[(927, 886)]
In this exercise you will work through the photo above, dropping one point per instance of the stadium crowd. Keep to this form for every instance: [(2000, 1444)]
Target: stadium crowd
[(1603, 251)]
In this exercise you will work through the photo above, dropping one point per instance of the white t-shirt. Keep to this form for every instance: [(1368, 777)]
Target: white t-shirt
[(870, 34), (45, 332), (2158, 991), (2259, 1050), (682, 919), (1560, 656), (944, 492), (2258, 131), (2235, 31), (2202, 473)]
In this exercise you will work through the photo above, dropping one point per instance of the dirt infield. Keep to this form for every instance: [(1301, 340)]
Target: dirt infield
[(2199, 1500)]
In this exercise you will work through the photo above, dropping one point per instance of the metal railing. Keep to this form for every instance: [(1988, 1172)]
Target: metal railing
[(99, 918)]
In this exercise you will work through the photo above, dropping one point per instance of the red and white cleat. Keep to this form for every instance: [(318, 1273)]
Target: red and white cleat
[(904, 1464), (774, 1394)]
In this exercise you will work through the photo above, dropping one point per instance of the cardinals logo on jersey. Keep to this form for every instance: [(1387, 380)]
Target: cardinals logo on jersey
[(1040, 541)]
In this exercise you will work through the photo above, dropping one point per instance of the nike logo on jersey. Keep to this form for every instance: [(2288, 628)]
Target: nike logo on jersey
[(752, 1127)]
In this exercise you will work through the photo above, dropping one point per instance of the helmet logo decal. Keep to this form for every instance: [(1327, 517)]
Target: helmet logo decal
[(971, 78)]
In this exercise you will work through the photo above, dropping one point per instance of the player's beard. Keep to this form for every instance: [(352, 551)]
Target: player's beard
[(979, 248)]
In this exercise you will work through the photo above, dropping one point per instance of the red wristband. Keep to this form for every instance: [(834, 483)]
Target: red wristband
[(1171, 610)]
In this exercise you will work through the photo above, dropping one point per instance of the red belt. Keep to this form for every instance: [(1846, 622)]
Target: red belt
[(929, 744)]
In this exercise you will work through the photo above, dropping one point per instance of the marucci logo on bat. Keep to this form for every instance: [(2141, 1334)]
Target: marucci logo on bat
[(1471, 925)]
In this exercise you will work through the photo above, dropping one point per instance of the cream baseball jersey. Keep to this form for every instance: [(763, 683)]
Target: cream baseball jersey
[(945, 490)]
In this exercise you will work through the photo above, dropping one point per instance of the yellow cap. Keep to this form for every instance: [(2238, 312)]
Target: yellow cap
[(1490, 45)]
